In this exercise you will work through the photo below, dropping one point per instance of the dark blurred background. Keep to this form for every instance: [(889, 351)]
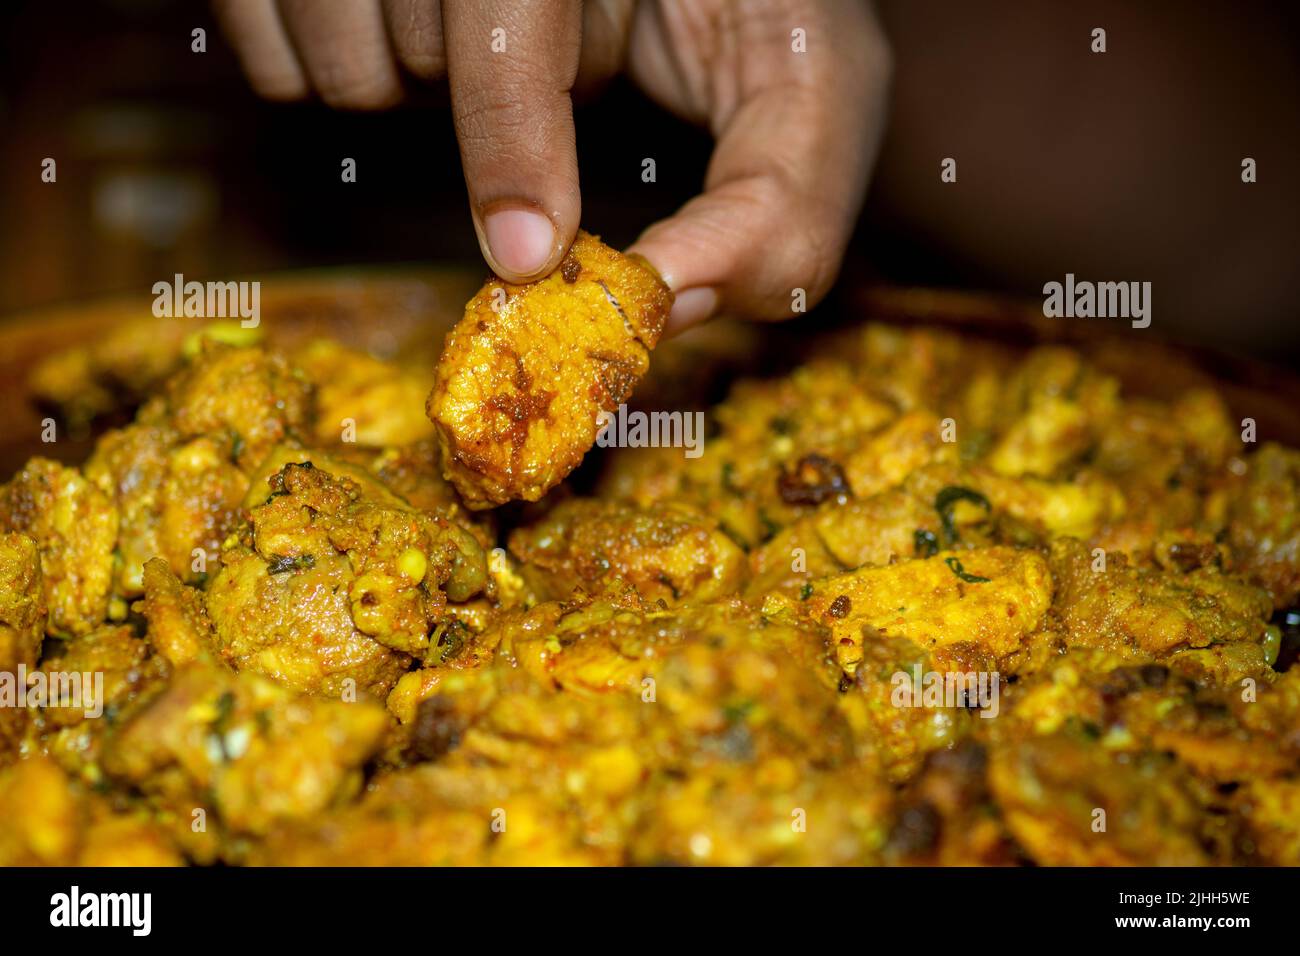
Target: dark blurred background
[(1117, 167), (168, 163)]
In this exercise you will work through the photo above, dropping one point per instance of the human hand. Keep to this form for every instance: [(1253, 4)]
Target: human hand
[(797, 129)]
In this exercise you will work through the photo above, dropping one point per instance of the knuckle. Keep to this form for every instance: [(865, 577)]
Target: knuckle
[(358, 90), (417, 39), (506, 122), (422, 62), (491, 115), (278, 86), (806, 256), (812, 258)]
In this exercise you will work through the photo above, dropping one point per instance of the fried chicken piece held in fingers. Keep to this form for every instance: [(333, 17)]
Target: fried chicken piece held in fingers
[(525, 374)]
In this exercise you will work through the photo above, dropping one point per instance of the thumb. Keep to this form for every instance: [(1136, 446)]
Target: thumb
[(788, 173)]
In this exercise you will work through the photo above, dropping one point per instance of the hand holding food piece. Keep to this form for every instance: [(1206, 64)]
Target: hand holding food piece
[(525, 374), (794, 91)]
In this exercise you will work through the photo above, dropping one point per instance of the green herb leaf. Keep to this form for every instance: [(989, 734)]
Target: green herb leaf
[(290, 562), (944, 502), (956, 568)]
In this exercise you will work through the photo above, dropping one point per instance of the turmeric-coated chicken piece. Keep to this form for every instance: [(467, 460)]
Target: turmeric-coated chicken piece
[(587, 644), (22, 602), (47, 820), (337, 580), (1161, 613), (967, 608), (668, 552), (519, 774), (526, 373), (437, 814), (712, 738), (754, 763), (94, 683), (363, 399), (178, 624), (242, 749), (99, 674), (1070, 801), (179, 471), (900, 731), (74, 526)]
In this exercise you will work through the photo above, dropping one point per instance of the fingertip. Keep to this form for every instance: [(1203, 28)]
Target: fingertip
[(659, 256), (695, 298), (519, 242), (285, 87), (690, 308)]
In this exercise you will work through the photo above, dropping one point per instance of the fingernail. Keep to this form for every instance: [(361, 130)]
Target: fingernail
[(691, 307), (520, 241)]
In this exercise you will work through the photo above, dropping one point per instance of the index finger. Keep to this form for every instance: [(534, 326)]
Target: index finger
[(511, 67)]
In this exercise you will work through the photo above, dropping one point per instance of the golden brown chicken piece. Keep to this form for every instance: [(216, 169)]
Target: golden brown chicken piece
[(180, 470), (46, 820), (606, 734), (1158, 612), (754, 764), (75, 527), (525, 374), (22, 602), (1054, 789), (101, 679), (122, 666), (362, 399), (667, 552), (243, 749), (176, 497), (179, 627), (967, 608), (337, 579), (901, 737)]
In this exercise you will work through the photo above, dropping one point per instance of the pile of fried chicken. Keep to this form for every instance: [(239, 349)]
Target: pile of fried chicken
[(321, 642)]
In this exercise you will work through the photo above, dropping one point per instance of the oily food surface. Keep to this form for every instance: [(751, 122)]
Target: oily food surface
[(919, 601), (525, 374)]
